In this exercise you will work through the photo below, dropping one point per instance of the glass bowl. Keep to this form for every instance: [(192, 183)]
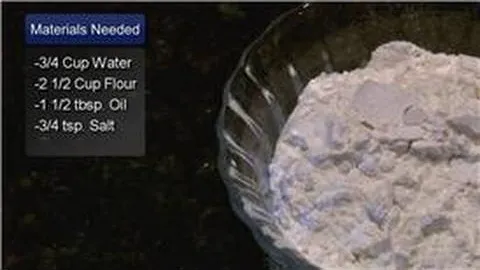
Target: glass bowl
[(295, 48)]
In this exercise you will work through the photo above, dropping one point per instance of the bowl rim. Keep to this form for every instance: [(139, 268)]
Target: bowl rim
[(220, 122), (220, 126)]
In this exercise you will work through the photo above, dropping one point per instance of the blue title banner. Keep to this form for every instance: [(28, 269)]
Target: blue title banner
[(85, 29)]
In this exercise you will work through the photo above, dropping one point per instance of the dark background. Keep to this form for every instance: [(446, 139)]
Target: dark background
[(167, 210)]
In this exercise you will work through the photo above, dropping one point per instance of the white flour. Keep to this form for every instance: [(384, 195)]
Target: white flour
[(379, 168)]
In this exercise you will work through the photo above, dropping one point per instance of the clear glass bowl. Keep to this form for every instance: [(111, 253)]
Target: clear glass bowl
[(295, 48)]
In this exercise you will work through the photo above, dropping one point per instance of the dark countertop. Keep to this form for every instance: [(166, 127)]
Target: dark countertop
[(167, 210)]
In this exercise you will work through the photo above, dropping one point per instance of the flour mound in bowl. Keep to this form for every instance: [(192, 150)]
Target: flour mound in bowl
[(379, 167)]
